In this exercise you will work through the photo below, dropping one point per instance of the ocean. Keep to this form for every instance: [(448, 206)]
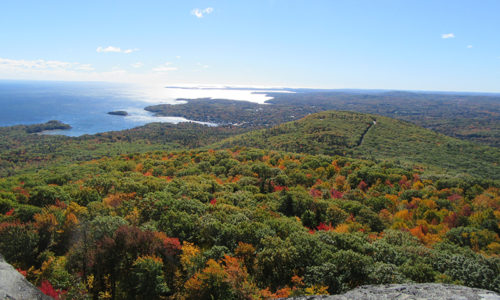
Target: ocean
[(85, 105)]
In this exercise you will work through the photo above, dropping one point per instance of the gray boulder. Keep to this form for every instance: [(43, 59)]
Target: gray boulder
[(13, 285), (411, 292)]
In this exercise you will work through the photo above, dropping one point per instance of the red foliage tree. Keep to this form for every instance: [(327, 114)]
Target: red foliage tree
[(47, 288), (363, 186), (336, 194), (315, 193), (323, 226)]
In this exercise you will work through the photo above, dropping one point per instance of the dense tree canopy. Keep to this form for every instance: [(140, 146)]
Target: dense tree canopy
[(244, 224)]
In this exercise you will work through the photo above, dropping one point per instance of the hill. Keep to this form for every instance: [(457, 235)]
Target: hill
[(374, 137), (330, 133), (471, 117)]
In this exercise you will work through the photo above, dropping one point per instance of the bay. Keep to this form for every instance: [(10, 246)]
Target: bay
[(85, 105)]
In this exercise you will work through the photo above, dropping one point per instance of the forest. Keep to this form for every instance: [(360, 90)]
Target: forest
[(316, 206), (244, 223)]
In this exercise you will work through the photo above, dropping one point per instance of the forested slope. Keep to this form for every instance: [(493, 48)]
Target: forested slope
[(21, 149), (355, 134), (471, 117), (322, 133), (244, 224)]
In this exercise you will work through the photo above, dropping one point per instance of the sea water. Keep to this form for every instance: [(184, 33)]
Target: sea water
[(85, 105)]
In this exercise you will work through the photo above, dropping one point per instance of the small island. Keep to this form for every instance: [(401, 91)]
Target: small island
[(118, 113), (49, 126)]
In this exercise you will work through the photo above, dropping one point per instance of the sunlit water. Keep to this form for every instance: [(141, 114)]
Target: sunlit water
[(85, 106)]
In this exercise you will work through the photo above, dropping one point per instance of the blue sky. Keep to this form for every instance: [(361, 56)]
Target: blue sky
[(381, 44)]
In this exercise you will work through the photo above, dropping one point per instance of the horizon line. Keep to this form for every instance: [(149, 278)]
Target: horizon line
[(212, 86)]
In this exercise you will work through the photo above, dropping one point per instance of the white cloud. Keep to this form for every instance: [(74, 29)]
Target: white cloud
[(469, 46), (41, 69), (137, 65), (108, 49), (200, 13), (178, 57), (112, 49), (166, 67), (447, 36), (41, 64), (196, 12)]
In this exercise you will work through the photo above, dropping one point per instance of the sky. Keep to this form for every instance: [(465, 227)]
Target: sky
[(366, 44)]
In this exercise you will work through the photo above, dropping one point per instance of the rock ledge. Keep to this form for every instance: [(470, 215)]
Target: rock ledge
[(411, 292), (13, 285)]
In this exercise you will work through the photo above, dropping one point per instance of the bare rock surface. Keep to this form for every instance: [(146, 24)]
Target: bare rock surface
[(13, 285), (411, 292)]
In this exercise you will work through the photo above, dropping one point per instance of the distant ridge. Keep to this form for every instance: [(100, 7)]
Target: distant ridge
[(340, 90)]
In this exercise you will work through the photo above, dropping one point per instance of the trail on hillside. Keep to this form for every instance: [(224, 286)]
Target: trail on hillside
[(362, 138)]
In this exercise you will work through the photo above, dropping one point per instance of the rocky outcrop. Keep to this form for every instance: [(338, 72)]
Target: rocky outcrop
[(411, 292), (13, 285)]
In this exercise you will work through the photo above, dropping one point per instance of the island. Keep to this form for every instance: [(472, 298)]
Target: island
[(50, 125), (118, 113)]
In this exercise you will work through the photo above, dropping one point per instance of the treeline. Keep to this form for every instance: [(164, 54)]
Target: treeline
[(245, 224)]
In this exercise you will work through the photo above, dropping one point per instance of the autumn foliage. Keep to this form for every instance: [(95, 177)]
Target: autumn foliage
[(245, 224)]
